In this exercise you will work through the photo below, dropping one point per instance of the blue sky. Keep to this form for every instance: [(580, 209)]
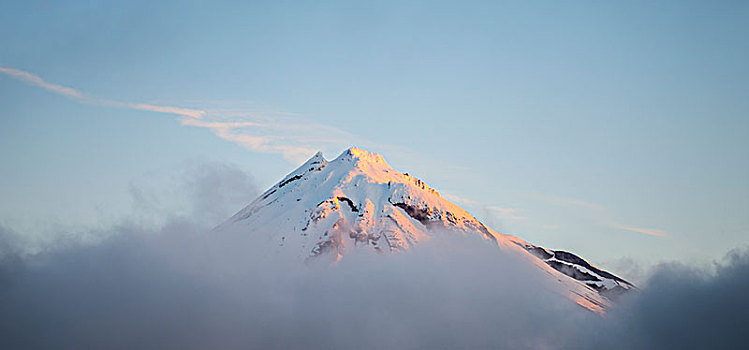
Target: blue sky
[(615, 130)]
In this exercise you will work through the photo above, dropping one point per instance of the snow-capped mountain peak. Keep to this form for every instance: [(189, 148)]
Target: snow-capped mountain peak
[(327, 209), (355, 154)]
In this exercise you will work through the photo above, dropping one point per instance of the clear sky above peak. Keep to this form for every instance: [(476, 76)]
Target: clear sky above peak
[(615, 130)]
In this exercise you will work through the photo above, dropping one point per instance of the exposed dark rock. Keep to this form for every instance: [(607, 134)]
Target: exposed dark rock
[(571, 271), (293, 178), (539, 252), (422, 215), (269, 193), (350, 203), (565, 263), (574, 259)]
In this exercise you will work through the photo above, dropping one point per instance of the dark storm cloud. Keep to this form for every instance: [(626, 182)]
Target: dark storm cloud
[(178, 286)]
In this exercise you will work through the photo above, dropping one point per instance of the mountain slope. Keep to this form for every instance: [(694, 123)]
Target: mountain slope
[(326, 209)]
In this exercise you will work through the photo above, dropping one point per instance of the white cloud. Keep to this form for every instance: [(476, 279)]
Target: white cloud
[(79, 96), (573, 202), (603, 215), (648, 231), (292, 136), (505, 212), (459, 199), (37, 81), (194, 113)]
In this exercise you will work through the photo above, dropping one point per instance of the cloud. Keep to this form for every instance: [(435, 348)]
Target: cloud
[(573, 202), (193, 113), (493, 213), (37, 81), (292, 136), (176, 285), (683, 307), (205, 192), (79, 96), (506, 212), (459, 199), (248, 135), (174, 288), (597, 211), (628, 269), (602, 214), (647, 231)]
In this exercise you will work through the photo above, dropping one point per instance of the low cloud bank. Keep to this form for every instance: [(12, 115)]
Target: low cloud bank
[(684, 307), (179, 286)]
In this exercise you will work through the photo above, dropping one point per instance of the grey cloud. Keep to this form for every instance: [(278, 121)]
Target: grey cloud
[(179, 286), (684, 307), (178, 289)]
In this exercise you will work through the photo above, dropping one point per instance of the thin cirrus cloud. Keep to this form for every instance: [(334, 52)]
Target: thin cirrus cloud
[(79, 96), (603, 214), (294, 137), (37, 81), (292, 148), (647, 231), (291, 136), (573, 202), (597, 211), (507, 213)]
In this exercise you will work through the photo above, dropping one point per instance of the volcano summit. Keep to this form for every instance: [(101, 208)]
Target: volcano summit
[(329, 209)]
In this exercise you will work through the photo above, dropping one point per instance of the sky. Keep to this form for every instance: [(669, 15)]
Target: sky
[(617, 131)]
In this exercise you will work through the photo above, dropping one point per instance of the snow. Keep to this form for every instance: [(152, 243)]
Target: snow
[(327, 209)]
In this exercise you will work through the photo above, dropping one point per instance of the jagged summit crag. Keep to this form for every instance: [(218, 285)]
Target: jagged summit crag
[(326, 209)]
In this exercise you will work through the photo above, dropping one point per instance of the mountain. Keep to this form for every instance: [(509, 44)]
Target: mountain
[(326, 209)]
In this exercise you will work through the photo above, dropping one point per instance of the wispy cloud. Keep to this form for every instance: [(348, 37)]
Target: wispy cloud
[(647, 231), (79, 96), (596, 212), (37, 81), (459, 199), (603, 215), (292, 136), (193, 113), (573, 202), (236, 132), (505, 212)]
